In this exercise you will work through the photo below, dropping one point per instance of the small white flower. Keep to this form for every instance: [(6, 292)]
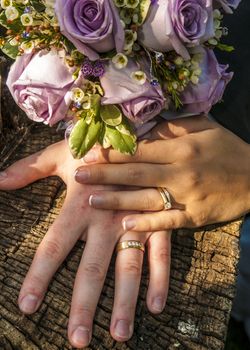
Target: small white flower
[(132, 3), (26, 19), (77, 95), (11, 13), (119, 3), (27, 47), (120, 61), (6, 3), (139, 77), (194, 79)]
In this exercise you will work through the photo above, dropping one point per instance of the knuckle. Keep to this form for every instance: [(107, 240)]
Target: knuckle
[(51, 249), (132, 267), (190, 151), (193, 178), (134, 174), (94, 271), (115, 201), (162, 255)]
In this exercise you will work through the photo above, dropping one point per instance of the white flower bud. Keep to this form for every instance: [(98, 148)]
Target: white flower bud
[(120, 61)]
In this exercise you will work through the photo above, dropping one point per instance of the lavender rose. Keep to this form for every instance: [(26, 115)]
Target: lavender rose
[(140, 103), (201, 97), (40, 85), (93, 26), (177, 24)]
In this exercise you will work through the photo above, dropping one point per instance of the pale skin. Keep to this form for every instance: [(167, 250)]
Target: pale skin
[(205, 168), (101, 230)]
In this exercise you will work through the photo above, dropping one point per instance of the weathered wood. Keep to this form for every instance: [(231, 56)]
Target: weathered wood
[(202, 275)]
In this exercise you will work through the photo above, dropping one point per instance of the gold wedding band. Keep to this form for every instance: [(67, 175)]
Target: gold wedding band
[(130, 244), (167, 204)]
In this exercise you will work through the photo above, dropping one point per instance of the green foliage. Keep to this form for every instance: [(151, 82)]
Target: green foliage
[(111, 115), (38, 5), (224, 47), (103, 124), (9, 50), (84, 136), (144, 8)]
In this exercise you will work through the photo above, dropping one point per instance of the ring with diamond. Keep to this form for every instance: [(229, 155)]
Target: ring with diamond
[(130, 244), (165, 195)]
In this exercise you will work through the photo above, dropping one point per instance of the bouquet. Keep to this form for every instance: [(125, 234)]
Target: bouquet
[(107, 69)]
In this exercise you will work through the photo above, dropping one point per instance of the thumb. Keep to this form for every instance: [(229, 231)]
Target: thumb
[(27, 170), (181, 127)]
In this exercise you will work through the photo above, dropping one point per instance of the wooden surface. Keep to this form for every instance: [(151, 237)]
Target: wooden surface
[(202, 275)]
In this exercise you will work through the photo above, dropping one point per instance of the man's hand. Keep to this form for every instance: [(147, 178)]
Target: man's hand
[(205, 168)]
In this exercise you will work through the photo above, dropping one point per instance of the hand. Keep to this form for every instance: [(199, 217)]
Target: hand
[(102, 230), (205, 168)]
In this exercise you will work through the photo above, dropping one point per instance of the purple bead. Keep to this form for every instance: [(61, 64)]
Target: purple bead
[(25, 35), (154, 82), (78, 105), (27, 9), (98, 70), (87, 68)]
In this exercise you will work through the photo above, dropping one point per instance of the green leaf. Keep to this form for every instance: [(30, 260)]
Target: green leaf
[(84, 136), (111, 115), (38, 5), (144, 8), (121, 142), (3, 20), (15, 25), (224, 47), (9, 50)]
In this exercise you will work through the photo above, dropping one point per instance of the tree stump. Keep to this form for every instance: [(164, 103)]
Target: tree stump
[(203, 270)]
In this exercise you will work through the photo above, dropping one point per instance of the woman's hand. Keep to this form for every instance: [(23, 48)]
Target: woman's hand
[(205, 168), (101, 230)]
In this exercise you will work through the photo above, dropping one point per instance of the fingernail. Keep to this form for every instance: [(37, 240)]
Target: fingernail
[(128, 224), (82, 175), (122, 329), (91, 157), (80, 336), (95, 200), (3, 175), (158, 304), (29, 304)]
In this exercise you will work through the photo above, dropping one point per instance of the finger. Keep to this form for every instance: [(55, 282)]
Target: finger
[(88, 285), (27, 170), (145, 200), (127, 283), (54, 248), (159, 257), (164, 131), (144, 175), (159, 221)]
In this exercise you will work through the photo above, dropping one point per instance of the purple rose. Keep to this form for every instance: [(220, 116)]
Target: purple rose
[(40, 84), (140, 103), (227, 5), (212, 83), (93, 26), (177, 24)]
